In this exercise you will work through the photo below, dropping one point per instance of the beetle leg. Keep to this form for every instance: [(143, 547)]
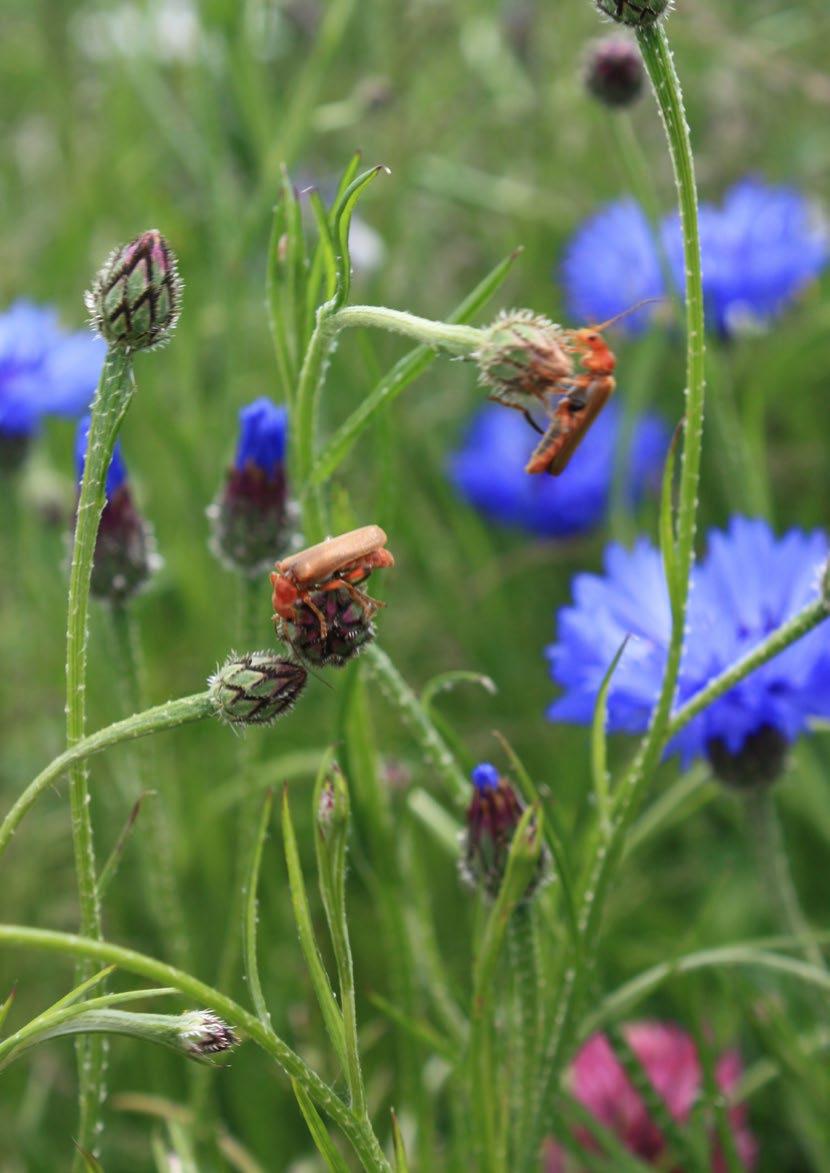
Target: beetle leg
[(518, 407), (321, 619), (368, 604)]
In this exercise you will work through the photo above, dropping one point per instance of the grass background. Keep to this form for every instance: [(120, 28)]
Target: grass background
[(119, 117)]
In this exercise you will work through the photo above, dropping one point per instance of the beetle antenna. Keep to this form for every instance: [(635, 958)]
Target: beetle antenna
[(624, 314)]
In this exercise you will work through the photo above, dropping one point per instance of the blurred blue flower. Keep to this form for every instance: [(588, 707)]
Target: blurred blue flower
[(43, 369), (610, 264), (262, 435), (759, 250), (749, 584), (488, 471), (117, 472)]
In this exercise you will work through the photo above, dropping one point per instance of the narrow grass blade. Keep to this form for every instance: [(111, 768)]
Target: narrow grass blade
[(108, 871), (401, 1163), (341, 220), (319, 1133), (443, 828), (599, 757), (249, 922), (668, 540), (7, 1005), (445, 681), (417, 1029)]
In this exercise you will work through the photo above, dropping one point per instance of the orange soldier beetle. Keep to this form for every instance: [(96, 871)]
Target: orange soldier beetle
[(338, 563), (583, 396)]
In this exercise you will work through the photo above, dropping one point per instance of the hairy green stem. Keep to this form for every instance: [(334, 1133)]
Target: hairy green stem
[(304, 432), (456, 339), (774, 866), (607, 848), (358, 1134), (166, 716), (112, 399), (527, 991)]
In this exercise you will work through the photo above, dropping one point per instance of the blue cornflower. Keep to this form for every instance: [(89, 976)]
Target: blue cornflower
[(117, 472), (262, 435), (43, 369), (758, 251), (612, 263), (488, 471), (749, 584)]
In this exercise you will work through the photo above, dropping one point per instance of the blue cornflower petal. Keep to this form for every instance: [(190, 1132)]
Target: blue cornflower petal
[(488, 471), (43, 369), (262, 436), (117, 472), (748, 585), (610, 264)]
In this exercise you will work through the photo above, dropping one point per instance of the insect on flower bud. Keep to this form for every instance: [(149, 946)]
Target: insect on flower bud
[(521, 357), (347, 629), (758, 763), (614, 71), (638, 13), (253, 518), (135, 300), (202, 1034), (125, 549), (256, 688), (492, 818)]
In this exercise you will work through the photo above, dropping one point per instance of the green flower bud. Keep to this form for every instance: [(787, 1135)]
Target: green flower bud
[(521, 357), (638, 13), (332, 804), (135, 299), (201, 1033), (256, 688)]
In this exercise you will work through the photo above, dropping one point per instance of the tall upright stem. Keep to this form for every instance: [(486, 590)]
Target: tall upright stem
[(111, 401)]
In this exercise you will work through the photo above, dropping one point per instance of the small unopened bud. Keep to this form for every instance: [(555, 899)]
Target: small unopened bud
[(521, 357), (253, 518), (135, 299), (758, 763), (492, 818), (347, 628), (614, 71), (125, 549), (638, 13), (332, 803), (256, 688), (202, 1034)]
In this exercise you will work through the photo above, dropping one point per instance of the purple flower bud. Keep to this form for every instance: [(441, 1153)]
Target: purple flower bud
[(135, 299), (614, 71), (346, 629), (492, 818), (638, 13)]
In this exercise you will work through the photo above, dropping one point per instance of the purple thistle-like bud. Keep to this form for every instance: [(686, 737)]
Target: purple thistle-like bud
[(345, 630), (614, 72), (202, 1033), (492, 818), (521, 357), (135, 300), (757, 764), (256, 688), (253, 519), (638, 13), (125, 550)]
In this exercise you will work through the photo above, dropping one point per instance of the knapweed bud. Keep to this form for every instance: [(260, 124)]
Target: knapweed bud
[(203, 1034), (346, 628), (253, 518), (135, 300), (758, 763), (492, 818), (521, 357), (125, 550), (331, 802), (638, 13), (256, 688), (614, 71)]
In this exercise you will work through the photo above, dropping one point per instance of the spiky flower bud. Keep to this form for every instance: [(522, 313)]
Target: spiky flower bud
[(346, 629), (521, 356), (202, 1034), (614, 71), (638, 13), (759, 762), (125, 549), (256, 688), (253, 518), (135, 299), (492, 818)]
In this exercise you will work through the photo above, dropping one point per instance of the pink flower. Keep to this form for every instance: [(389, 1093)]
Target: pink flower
[(670, 1060)]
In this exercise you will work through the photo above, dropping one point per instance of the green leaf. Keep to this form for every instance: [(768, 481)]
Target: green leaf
[(286, 276), (108, 871), (404, 372), (308, 943), (444, 829), (668, 542), (7, 1005), (445, 681), (341, 220), (249, 922), (417, 1029), (568, 1116), (401, 1163), (599, 760), (324, 262), (319, 1133), (90, 1162)]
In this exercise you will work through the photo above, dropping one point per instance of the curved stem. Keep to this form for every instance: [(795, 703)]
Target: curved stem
[(357, 1132), (456, 339), (304, 432), (166, 716), (112, 398)]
